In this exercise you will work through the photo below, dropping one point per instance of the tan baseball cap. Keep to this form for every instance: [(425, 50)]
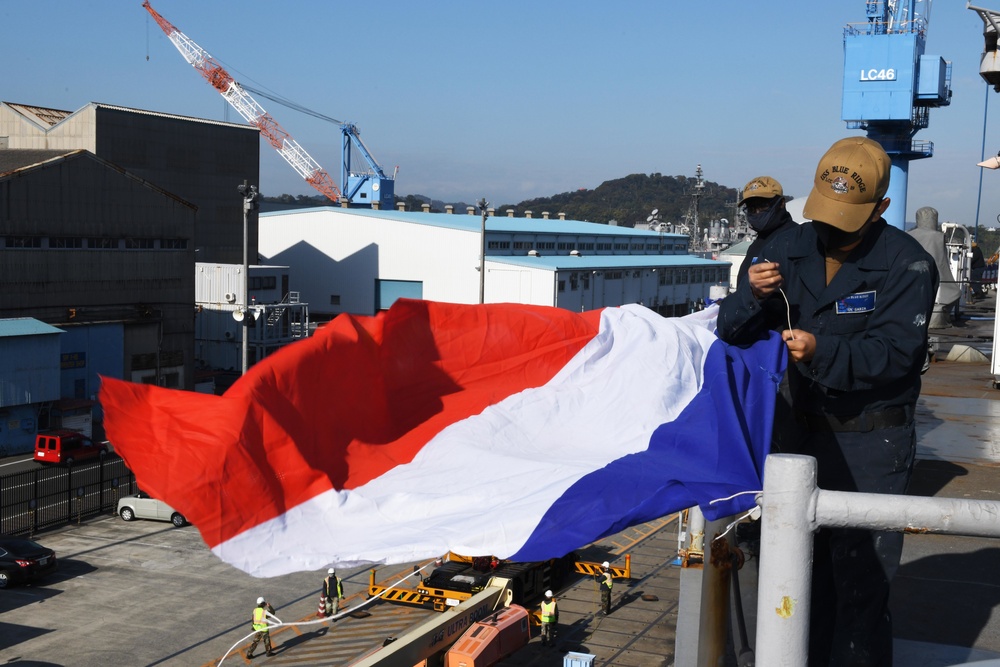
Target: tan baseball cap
[(764, 187), (852, 177)]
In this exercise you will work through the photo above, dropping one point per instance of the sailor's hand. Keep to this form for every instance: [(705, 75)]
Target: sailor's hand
[(765, 279), (801, 344)]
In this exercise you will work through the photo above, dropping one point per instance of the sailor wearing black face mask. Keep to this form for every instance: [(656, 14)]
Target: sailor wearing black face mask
[(763, 202), (861, 295)]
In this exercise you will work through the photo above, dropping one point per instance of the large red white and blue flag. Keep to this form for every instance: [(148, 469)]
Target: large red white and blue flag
[(518, 431)]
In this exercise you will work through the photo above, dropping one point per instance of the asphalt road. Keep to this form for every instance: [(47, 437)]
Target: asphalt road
[(143, 593)]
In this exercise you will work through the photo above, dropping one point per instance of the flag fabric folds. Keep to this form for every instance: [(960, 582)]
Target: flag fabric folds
[(518, 431)]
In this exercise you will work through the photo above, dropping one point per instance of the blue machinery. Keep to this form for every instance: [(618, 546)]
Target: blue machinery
[(890, 85)]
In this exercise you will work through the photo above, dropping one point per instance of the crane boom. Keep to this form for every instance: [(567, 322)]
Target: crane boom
[(248, 108)]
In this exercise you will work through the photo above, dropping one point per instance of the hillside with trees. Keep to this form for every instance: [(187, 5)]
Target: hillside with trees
[(626, 201)]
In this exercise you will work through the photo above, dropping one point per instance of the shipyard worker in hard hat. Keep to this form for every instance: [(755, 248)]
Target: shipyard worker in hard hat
[(605, 581), (930, 236), (550, 616), (333, 593), (261, 628), (860, 294), (763, 204)]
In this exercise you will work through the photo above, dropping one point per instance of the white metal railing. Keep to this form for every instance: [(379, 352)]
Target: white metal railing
[(794, 507)]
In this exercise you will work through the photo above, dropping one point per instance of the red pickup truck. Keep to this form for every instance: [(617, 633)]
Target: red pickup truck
[(65, 446)]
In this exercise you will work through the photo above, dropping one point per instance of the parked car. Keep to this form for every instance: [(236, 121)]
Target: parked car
[(143, 506), (65, 446), (23, 561)]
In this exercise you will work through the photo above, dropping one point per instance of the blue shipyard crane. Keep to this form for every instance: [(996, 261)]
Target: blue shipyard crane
[(359, 186), (890, 85)]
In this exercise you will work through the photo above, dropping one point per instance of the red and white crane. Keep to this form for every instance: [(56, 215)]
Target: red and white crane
[(248, 107)]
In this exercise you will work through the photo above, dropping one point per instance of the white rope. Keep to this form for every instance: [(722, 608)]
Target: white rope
[(741, 493), (733, 524), (752, 512), (280, 624)]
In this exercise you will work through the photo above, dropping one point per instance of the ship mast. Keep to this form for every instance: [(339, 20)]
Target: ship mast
[(692, 216)]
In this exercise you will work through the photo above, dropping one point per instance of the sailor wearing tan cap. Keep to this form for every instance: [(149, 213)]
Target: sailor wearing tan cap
[(763, 204), (859, 297)]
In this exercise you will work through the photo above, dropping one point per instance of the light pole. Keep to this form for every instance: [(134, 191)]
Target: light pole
[(482, 251), (249, 193)]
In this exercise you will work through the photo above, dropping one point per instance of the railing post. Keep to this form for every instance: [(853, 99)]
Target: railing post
[(786, 546), (703, 609)]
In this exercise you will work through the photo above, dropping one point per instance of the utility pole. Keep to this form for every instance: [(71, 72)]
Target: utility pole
[(250, 195), (482, 251)]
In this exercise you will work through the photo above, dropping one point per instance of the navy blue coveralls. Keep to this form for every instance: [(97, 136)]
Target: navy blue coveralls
[(853, 404)]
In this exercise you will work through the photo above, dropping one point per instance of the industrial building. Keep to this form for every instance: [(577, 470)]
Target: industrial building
[(361, 260), (200, 161), (105, 212), (264, 306)]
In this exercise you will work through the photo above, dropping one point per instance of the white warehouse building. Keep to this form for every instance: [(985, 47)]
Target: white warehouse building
[(360, 261)]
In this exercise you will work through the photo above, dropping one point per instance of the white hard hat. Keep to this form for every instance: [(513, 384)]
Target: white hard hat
[(548, 594), (260, 600), (330, 571), (605, 565)]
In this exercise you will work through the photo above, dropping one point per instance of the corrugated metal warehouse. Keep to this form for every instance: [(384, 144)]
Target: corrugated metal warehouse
[(104, 213), (361, 260), (200, 161)]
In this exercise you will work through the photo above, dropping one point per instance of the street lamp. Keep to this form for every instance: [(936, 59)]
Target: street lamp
[(250, 196), (482, 251)]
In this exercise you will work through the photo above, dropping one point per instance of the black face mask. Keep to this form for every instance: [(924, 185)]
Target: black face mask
[(768, 219), (834, 238)]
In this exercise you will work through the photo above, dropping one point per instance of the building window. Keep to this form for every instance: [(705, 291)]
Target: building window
[(102, 243), (263, 282), (173, 244), (562, 285), (621, 246), (521, 245), (498, 245), (65, 242), (613, 275), (586, 282), (139, 244), (24, 241), (334, 299)]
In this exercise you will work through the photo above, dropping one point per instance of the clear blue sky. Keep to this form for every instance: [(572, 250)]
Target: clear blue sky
[(517, 99)]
